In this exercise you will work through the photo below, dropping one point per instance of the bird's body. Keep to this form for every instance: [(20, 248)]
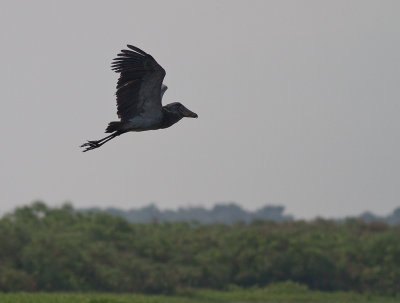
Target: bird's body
[(139, 94)]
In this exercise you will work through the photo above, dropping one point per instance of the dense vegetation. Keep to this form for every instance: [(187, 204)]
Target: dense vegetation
[(50, 249), (287, 292)]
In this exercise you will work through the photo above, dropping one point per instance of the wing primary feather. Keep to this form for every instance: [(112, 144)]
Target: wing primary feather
[(127, 84), (137, 49), (130, 53), (128, 59), (119, 69)]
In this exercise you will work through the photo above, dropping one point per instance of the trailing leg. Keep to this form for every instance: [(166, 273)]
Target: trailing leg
[(92, 144)]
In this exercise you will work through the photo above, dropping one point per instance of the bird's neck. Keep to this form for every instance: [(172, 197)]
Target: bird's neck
[(170, 118)]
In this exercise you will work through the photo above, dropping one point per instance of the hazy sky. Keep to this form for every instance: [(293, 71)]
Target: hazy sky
[(298, 103)]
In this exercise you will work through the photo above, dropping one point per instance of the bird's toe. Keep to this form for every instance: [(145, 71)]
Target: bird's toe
[(93, 144)]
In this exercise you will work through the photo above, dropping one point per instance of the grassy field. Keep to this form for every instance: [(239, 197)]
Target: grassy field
[(281, 293)]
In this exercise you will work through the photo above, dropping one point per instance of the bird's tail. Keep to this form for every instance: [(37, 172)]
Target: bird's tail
[(114, 126)]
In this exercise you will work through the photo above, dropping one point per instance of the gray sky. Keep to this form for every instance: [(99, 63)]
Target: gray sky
[(298, 104)]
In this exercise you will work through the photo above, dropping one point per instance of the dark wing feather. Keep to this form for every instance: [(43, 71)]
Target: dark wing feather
[(139, 84)]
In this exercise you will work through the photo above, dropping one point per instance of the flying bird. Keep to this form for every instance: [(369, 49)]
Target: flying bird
[(140, 90)]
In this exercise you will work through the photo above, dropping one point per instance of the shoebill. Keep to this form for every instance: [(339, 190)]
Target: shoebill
[(140, 89)]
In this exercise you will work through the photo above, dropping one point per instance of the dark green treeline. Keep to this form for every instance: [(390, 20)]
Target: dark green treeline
[(50, 249)]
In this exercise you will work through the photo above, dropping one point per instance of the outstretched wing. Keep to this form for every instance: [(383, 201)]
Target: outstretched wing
[(139, 84)]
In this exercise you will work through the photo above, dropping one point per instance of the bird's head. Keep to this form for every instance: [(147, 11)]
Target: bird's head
[(180, 109)]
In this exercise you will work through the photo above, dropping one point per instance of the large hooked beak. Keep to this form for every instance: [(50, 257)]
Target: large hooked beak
[(188, 113)]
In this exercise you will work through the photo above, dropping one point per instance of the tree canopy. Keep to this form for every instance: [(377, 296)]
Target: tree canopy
[(59, 249)]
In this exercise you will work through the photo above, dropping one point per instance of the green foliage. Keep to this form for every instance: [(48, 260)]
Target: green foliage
[(287, 292), (58, 249)]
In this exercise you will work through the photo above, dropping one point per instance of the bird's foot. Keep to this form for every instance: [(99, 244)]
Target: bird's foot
[(90, 145)]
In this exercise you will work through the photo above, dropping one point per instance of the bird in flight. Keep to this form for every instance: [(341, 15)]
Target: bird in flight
[(140, 89)]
